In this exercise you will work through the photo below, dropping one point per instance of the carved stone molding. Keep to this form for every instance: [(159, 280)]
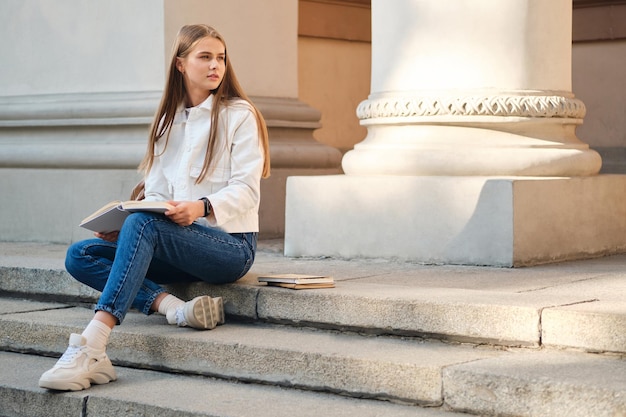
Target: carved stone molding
[(529, 106), (128, 108), (110, 131)]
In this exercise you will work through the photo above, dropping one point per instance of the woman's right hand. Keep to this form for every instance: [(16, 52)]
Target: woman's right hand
[(109, 237)]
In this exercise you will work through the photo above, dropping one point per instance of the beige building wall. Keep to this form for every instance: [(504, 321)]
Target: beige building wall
[(334, 78), (599, 78), (250, 39), (334, 66)]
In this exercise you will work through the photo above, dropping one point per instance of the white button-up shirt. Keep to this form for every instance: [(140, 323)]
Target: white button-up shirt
[(232, 184)]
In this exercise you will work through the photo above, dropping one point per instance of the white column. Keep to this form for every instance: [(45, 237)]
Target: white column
[(473, 87), (471, 155)]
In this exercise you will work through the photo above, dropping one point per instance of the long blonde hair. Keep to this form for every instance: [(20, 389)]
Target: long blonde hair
[(175, 94)]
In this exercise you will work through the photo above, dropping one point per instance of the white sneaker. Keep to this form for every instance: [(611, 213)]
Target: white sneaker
[(202, 312), (218, 309), (78, 368)]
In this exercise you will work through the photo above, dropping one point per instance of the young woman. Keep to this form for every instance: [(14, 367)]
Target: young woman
[(207, 152)]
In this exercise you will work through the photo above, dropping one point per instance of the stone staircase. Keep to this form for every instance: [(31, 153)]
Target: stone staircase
[(392, 339)]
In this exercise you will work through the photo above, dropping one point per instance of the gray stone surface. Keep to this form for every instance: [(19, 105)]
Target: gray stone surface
[(448, 313), (44, 283), (148, 393), (8, 305), (596, 326), (349, 340), (390, 368), (480, 304), (539, 384)]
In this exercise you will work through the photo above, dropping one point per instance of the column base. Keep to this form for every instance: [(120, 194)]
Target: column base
[(493, 221), (491, 147)]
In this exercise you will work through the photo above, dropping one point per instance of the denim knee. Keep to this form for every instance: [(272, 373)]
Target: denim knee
[(73, 258), (89, 261)]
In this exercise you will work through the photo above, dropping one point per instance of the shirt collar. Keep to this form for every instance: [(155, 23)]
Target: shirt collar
[(205, 105)]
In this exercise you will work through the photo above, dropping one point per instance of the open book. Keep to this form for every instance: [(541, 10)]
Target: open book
[(298, 281), (111, 217)]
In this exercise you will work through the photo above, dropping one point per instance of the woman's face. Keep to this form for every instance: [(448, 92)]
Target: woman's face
[(203, 68)]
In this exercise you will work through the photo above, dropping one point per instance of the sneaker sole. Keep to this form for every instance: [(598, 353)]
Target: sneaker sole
[(218, 310), (199, 313), (79, 383)]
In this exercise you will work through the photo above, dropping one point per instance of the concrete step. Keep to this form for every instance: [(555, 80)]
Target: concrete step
[(445, 377), (388, 368), (548, 340), (149, 393), (544, 383), (577, 305)]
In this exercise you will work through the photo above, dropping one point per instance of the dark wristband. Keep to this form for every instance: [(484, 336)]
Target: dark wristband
[(207, 206)]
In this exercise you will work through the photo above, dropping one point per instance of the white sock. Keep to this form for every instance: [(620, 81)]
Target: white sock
[(97, 335), (168, 307)]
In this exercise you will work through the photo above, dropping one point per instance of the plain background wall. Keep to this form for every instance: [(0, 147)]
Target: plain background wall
[(77, 52), (599, 80)]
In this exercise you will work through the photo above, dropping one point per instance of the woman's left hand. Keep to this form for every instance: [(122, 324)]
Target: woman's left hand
[(185, 212), (109, 237)]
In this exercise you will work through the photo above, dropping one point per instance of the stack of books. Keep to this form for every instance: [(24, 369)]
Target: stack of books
[(298, 281)]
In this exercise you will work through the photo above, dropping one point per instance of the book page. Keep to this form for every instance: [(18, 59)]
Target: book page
[(101, 210), (107, 221), (296, 278), (111, 217), (301, 286), (142, 205)]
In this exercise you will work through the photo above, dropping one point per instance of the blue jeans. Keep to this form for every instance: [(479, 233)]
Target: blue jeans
[(153, 250)]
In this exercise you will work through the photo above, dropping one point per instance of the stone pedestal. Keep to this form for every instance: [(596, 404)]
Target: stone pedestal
[(494, 221), (471, 155)]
